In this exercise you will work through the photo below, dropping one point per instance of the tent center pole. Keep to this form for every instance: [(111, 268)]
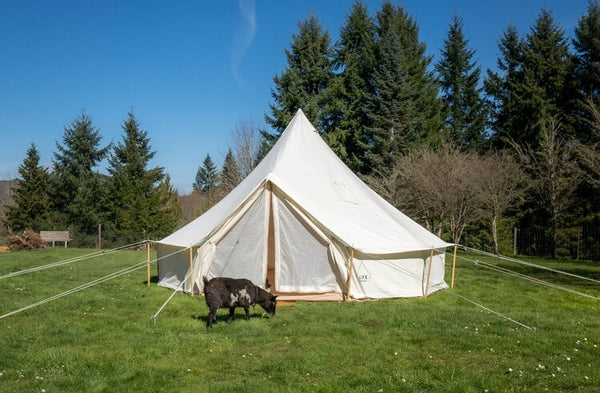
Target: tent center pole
[(453, 266), (350, 269), (429, 272), (191, 278), (148, 261)]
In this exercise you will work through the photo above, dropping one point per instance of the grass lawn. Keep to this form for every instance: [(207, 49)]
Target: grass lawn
[(103, 339)]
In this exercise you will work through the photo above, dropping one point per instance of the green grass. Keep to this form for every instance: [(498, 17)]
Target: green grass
[(103, 339)]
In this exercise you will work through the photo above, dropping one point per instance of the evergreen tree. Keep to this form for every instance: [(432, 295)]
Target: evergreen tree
[(169, 212), (355, 56), (30, 196), (405, 109), (500, 87), (305, 81), (230, 174), (139, 204), (206, 176), (459, 79), (586, 70), (76, 193), (546, 64), (538, 87)]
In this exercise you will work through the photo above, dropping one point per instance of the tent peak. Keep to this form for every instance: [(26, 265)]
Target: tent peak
[(300, 117)]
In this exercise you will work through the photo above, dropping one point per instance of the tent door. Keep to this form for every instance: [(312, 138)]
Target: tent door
[(301, 259)]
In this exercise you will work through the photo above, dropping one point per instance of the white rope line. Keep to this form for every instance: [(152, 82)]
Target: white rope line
[(70, 260), (526, 277), (488, 309), (153, 317), (528, 264), (176, 290), (535, 280), (89, 284), (79, 288)]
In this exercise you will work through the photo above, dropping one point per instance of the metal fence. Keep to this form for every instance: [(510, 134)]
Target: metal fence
[(579, 243)]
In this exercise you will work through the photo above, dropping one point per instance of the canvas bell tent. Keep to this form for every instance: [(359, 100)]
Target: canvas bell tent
[(308, 224)]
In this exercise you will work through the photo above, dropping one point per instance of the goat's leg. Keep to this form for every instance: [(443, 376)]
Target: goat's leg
[(231, 314), (212, 317), (247, 310)]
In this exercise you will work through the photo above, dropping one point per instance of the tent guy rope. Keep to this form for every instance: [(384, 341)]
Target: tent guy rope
[(533, 279), (528, 264), (90, 284), (176, 290), (70, 260), (79, 288), (489, 309)]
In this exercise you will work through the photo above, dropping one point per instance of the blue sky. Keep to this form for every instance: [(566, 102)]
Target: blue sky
[(189, 70)]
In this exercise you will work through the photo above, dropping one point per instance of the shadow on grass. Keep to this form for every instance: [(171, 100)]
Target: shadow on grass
[(224, 315)]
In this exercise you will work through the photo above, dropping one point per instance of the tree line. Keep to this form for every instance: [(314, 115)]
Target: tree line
[(457, 150), (131, 203), (468, 154)]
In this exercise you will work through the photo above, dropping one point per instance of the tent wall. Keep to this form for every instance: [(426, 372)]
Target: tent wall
[(173, 266), (400, 276)]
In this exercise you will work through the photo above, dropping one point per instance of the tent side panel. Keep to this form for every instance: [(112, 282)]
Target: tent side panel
[(436, 280), (402, 276), (173, 265)]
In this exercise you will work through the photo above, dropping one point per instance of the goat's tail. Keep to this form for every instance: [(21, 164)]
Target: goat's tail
[(204, 280)]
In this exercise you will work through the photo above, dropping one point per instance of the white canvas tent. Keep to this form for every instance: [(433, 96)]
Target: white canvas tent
[(303, 220)]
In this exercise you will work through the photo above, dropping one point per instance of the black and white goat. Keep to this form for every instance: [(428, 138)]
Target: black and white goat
[(225, 292)]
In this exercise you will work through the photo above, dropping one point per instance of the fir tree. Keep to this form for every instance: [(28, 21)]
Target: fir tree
[(586, 70), (305, 81), (76, 193), (355, 56), (30, 196), (459, 79), (169, 212), (404, 110), (206, 176), (546, 64), (230, 174), (535, 83), (138, 205), (500, 86)]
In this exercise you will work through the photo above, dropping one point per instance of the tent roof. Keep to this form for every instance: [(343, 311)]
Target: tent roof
[(314, 179)]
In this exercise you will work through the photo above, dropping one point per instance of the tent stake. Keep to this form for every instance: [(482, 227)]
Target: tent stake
[(429, 272), (191, 278), (349, 274), (453, 266), (148, 261)]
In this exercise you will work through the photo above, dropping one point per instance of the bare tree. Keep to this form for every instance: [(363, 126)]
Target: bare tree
[(554, 172), (192, 205), (246, 141), (500, 183), (435, 188), (589, 154)]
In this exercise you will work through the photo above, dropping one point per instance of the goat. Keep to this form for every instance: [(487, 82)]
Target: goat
[(225, 292)]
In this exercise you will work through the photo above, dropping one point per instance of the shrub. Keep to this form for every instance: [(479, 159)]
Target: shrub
[(29, 240)]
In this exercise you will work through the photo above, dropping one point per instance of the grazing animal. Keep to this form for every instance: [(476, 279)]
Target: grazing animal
[(225, 292)]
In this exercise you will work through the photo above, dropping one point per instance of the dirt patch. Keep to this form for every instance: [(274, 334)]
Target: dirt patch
[(4, 249), (371, 324), (284, 304)]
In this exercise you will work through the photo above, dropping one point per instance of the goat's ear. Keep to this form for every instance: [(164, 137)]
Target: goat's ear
[(274, 297)]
